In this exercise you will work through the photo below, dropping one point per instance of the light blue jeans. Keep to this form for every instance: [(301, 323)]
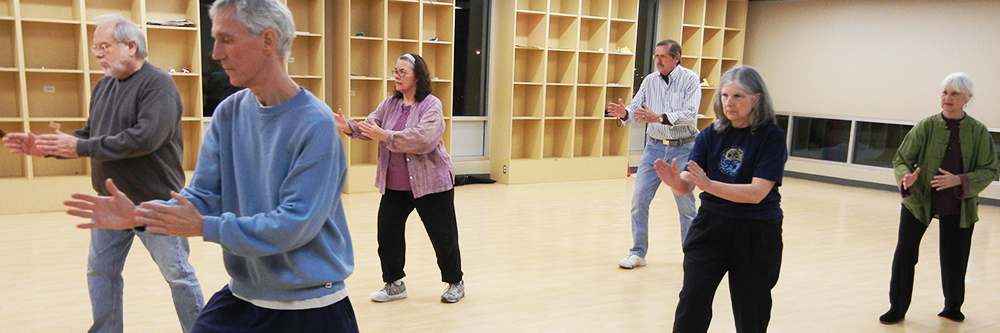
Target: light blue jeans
[(646, 184), (108, 249)]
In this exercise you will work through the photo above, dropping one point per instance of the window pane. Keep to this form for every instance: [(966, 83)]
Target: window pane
[(875, 144), (823, 139), (783, 123)]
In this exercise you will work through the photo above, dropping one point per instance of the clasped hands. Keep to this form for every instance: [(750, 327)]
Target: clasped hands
[(369, 130), (940, 182), (117, 212)]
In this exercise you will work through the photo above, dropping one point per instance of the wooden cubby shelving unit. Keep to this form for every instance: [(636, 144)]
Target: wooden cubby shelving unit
[(558, 64), (711, 33), (372, 35)]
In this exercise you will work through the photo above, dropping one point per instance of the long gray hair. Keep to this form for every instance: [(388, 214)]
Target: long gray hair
[(260, 15), (749, 79)]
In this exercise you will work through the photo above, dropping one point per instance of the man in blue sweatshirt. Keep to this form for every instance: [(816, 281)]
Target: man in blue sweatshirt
[(267, 188)]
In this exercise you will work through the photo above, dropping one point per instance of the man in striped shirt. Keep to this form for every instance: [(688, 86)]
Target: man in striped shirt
[(668, 102)]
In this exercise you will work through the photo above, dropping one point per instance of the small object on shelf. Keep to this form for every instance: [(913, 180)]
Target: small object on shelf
[(704, 82), (185, 70), (433, 39), (359, 33), (702, 116), (171, 23), (612, 83), (625, 49), (171, 70), (600, 49), (43, 67), (54, 125)]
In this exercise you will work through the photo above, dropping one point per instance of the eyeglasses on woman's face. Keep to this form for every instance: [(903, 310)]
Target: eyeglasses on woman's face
[(400, 72)]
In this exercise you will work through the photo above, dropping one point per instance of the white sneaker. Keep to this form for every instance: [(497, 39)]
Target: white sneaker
[(632, 261), (391, 292), (454, 292)]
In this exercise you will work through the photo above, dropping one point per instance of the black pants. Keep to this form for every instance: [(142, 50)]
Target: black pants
[(437, 211), (227, 313), (749, 250), (954, 245)]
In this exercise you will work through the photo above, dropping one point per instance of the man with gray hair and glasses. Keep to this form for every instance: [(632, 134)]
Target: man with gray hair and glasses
[(667, 101), (133, 137), (267, 188)]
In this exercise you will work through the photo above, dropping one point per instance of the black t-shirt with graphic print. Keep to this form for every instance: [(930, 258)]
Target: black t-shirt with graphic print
[(736, 156)]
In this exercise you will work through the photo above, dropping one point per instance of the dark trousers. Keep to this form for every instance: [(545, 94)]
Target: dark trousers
[(437, 211), (954, 245), (749, 250), (226, 313)]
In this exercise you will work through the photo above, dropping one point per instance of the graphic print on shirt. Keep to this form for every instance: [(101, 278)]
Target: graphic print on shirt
[(731, 161)]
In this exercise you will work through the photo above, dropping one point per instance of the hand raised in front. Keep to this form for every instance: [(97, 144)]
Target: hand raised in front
[(114, 212), (338, 117), (22, 143), (617, 110)]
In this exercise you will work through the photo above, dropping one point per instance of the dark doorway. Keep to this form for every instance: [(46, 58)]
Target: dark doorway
[(471, 50), (645, 40), (214, 80)]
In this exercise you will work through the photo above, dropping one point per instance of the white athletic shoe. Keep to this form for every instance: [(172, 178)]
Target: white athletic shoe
[(391, 292), (454, 292), (632, 261)]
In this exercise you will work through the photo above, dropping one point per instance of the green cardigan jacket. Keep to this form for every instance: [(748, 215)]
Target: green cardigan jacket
[(924, 147)]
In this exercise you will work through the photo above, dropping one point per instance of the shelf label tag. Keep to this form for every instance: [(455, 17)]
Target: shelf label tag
[(49, 89), (291, 59), (352, 93)]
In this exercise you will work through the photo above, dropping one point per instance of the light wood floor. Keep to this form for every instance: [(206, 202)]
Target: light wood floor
[(544, 258)]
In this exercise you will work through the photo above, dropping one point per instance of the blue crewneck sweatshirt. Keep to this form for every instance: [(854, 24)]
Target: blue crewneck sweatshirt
[(268, 182)]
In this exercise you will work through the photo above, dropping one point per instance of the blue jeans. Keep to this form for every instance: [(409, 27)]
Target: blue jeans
[(646, 184), (108, 249)]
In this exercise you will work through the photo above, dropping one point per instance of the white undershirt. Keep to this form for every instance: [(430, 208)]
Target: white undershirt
[(305, 304)]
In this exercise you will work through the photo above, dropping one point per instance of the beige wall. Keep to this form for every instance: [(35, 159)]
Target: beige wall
[(875, 59)]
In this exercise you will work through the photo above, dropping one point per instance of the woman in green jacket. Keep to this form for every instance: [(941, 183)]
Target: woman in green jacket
[(941, 166)]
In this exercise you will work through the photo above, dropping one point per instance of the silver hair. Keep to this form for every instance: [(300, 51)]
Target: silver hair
[(261, 15), (958, 81), (749, 79), (125, 31)]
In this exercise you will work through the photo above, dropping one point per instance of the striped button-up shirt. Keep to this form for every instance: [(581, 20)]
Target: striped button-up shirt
[(678, 99)]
